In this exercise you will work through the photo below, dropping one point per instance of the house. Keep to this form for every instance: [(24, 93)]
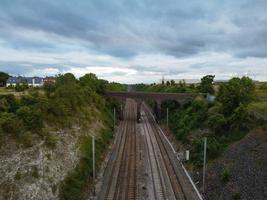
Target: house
[(30, 81), (50, 79)]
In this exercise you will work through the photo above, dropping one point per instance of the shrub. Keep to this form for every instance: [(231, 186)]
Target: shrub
[(49, 88), (236, 196), (11, 102), (239, 119), (31, 117), (1, 137), (51, 140), (10, 124), (236, 92), (217, 123), (3, 105), (21, 87), (214, 149), (35, 172), (26, 139), (225, 176)]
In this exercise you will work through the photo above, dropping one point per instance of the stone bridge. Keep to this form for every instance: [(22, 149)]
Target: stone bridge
[(158, 98)]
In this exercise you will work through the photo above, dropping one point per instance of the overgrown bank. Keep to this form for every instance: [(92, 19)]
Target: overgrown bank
[(224, 121), (46, 137)]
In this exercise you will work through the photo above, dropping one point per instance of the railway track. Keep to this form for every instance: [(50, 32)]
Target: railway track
[(175, 189), (120, 175), (141, 165)]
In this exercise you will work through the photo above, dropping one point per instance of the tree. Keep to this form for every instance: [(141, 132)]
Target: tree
[(90, 80), (235, 92), (20, 87), (3, 78), (49, 88), (206, 85), (66, 79), (31, 117), (168, 83)]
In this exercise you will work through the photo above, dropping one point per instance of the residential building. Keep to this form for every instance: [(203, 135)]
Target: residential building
[(30, 81)]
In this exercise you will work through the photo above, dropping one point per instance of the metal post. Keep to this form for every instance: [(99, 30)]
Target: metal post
[(114, 115), (204, 162), (168, 117), (121, 112), (93, 150)]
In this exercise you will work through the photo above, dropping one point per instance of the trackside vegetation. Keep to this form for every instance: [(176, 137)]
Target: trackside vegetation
[(67, 102), (223, 121), (56, 105)]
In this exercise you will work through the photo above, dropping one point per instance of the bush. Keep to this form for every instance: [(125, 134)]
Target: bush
[(217, 123), (21, 87), (26, 139), (10, 124), (236, 92), (214, 149), (11, 103), (31, 117), (49, 88), (239, 119), (35, 172), (51, 140), (225, 176), (236, 196), (1, 137)]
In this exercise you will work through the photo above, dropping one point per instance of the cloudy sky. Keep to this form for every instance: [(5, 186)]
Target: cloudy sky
[(134, 41)]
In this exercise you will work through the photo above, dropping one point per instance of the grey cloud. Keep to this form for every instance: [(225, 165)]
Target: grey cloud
[(124, 29)]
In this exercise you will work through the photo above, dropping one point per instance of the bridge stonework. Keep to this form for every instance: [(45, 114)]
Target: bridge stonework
[(139, 97)]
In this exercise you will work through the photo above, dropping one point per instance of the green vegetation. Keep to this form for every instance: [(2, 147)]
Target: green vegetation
[(236, 196), (72, 186), (206, 85), (3, 78), (67, 102), (35, 172), (262, 162), (56, 105), (236, 92), (225, 176), (260, 107), (223, 121), (21, 87), (170, 87)]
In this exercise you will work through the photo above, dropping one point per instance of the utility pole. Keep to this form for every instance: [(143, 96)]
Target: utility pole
[(204, 162), (114, 115), (167, 117), (93, 150)]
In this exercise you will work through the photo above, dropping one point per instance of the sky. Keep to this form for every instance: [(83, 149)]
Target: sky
[(131, 41)]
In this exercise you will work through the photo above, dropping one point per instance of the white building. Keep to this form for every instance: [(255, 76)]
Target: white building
[(30, 81)]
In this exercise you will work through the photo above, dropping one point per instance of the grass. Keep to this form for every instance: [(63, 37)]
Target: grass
[(4, 91), (260, 107), (236, 196), (262, 162)]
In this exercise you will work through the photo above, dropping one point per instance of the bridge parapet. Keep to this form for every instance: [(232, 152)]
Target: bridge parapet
[(181, 98)]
